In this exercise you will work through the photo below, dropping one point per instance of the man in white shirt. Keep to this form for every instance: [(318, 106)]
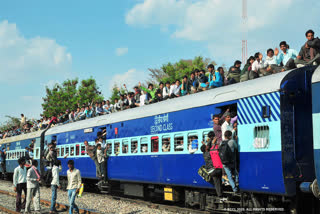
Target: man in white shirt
[(226, 126), (55, 184), (257, 66), (33, 188), (74, 184), (175, 89), (20, 183)]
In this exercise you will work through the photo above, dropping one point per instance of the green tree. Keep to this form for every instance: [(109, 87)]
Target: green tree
[(173, 71), (115, 93), (69, 95), (9, 123)]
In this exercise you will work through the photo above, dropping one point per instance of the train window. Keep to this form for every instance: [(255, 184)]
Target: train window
[(77, 150), (117, 148), (58, 152), (125, 146), (192, 142), (62, 151), (261, 137), (144, 144), (178, 143), (67, 151), (37, 153), (154, 144), (109, 148), (166, 144), (205, 136), (83, 150), (72, 150), (134, 146)]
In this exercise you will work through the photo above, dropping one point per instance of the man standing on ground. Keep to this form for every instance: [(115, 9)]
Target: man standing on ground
[(55, 184), (3, 162), (20, 183), (33, 178), (74, 184)]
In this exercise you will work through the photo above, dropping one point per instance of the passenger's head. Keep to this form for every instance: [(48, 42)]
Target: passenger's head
[(211, 135), (221, 71), (203, 148), (185, 78), (116, 100), (215, 119), (202, 72), (85, 143), (150, 86), (99, 146), (228, 118), (192, 75), (34, 163), (228, 134), (21, 161), (161, 85), (251, 59), (210, 68), (196, 72), (310, 35), (168, 84), (71, 164), (270, 52), (256, 55), (237, 64), (177, 82), (283, 46), (96, 140)]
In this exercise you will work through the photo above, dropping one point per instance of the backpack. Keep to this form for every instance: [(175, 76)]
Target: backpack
[(214, 153), (204, 174), (225, 153)]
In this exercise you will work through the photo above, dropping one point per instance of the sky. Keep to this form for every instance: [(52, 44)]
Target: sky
[(47, 42)]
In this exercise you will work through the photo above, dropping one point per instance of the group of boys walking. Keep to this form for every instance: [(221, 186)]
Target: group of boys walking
[(28, 181)]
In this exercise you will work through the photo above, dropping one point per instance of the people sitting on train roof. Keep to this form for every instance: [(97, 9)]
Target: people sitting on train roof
[(310, 51), (270, 63), (151, 90), (234, 73), (185, 86), (203, 79), (215, 79), (286, 56)]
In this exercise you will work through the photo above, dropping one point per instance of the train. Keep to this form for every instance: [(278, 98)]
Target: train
[(280, 174)]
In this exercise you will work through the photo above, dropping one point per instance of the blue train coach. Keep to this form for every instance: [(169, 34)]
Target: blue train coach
[(152, 155)]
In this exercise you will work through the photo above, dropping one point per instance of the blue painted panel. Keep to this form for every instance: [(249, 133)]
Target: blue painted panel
[(189, 119), (316, 127), (261, 172)]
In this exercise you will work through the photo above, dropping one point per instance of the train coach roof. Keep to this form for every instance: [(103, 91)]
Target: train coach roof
[(254, 87), (316, 75), (21, 137)]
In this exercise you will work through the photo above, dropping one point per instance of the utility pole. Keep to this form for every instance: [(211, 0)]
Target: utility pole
[(244, 31)]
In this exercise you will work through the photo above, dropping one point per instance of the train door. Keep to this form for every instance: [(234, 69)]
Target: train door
[(316, 127)]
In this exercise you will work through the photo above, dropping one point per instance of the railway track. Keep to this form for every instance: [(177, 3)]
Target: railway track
[(63, 208)]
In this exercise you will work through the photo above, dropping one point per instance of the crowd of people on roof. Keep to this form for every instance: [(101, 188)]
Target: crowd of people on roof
[(199, 80)]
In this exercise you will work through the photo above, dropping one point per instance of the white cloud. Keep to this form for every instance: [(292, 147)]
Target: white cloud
[(131, 78), (24, 59), (218, 23), (121, 51)]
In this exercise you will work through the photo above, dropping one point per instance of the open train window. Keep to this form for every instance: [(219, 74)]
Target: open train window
[(205, 136), (134, 146), (62, 151), (109, 148), (67, 151), (77, 150), (102, 133), (178, 143), (117, 148), (155, 144), (193, 142), (144, 144), (71, 150), (58, 152), (166, 143), (125, 144), (83, 150)]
